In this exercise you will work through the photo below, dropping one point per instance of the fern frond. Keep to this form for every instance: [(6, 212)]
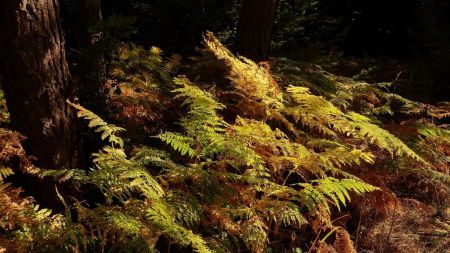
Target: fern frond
[(287, 214), (5, 172), (124, 222), (253, 81), (160, 215), (108, 131), (188, 208), (65, 174), (254, 233), (4, 186), (318, 113), (178, 142), (319, 191)]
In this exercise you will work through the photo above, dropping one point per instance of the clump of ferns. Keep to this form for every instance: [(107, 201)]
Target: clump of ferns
[(299, 111), (245, 158), (237, 173), (228, 174), (135, 206), (24, 225), (139, 80)]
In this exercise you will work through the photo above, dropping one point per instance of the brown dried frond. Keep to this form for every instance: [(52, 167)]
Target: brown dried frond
[(343, 243)]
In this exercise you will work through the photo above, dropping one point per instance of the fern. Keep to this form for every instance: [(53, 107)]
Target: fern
[(317, 113), (5, 172), (121, 178), (286, 214), (160, 215), (4, 114), (252, 81), (244, 173), (178, 142), (255, 234), (319, 191), (108, 131)]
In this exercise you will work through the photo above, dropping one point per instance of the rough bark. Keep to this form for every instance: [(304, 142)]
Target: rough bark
[(36, 79), (255, 27)]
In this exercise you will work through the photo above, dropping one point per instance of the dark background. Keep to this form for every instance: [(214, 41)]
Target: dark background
[(405, 38)]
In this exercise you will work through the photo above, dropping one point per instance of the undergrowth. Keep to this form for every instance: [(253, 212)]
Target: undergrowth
[(257, 160)]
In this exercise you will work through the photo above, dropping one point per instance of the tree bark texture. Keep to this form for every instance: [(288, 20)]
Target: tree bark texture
[(255, 27), (36, 79)]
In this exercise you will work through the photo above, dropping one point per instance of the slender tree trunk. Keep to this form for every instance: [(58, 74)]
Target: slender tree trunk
[(36, 80), (255, 27), (88, 14), (90, 71)]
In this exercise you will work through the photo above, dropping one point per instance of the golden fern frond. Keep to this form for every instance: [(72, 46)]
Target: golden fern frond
[(341, 156), (5, 172), (4, 114), (253, 81), (4, 186)]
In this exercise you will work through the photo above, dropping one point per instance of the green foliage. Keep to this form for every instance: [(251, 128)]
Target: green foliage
[(319, 191), (321, 115), (126, 181), (108, 131), (250, 165), (305, 28), (259, 155), (366, 112)]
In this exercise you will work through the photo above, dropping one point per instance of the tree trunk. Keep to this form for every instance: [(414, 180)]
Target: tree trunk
[(36, 80), (255, 26), (88, 14)]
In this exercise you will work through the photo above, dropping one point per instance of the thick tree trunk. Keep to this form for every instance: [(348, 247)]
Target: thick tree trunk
[(36, 79), (255, 26)]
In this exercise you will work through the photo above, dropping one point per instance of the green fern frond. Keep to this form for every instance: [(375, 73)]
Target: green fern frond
[(254, 234), (124, 222), (188, 208), (318, 113), (65, 174), (160, 215), (108, 131), (319, 191), (288, 214), (41, 214), (150, 156), (178, 142), (428, 130)]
